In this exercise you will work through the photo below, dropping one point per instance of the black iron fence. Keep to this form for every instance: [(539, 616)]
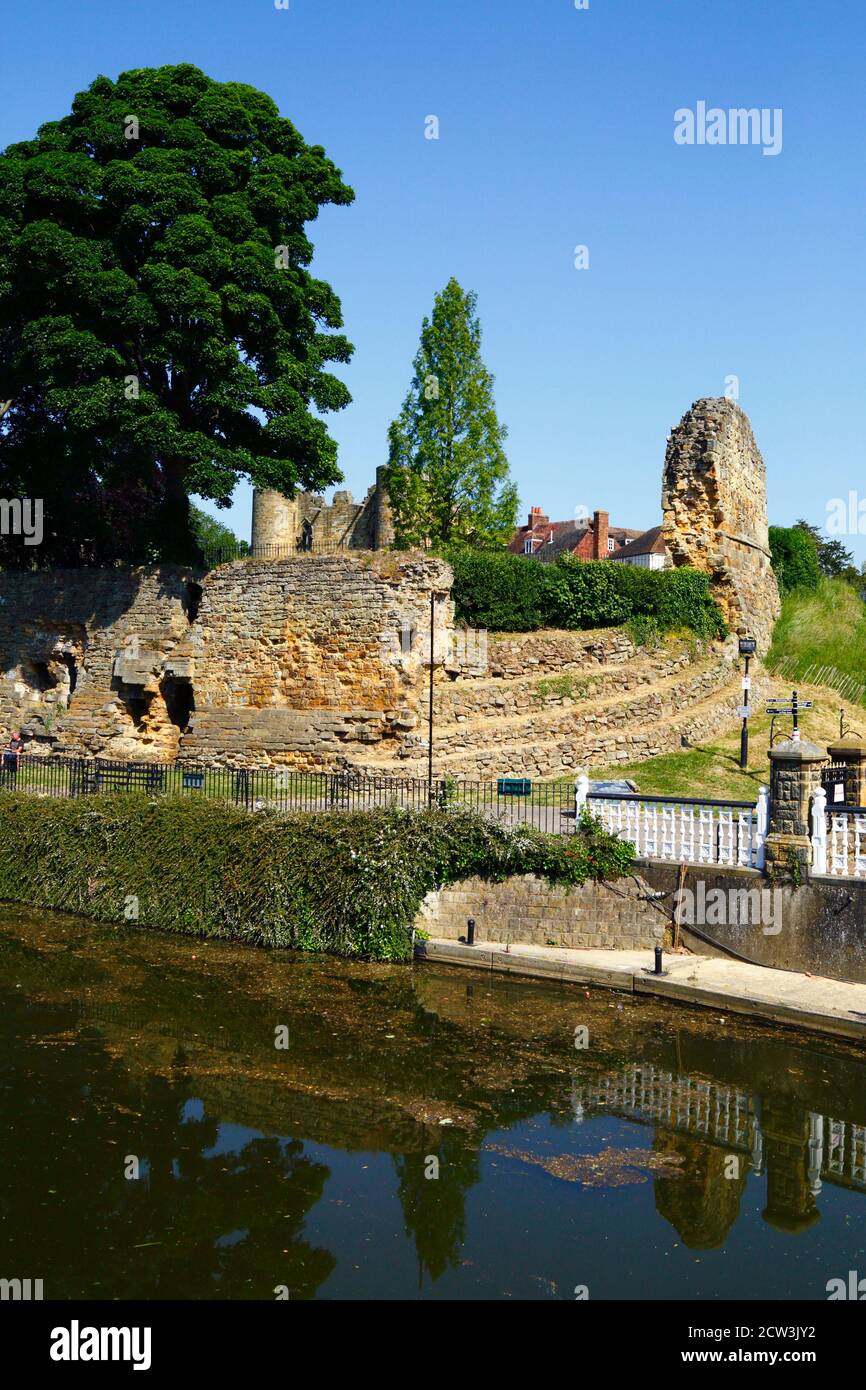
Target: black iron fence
[(513, 800), (841, 782), (224, 554)]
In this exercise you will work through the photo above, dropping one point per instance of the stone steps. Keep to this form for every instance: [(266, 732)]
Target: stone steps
[(499, 697), (618, 730)]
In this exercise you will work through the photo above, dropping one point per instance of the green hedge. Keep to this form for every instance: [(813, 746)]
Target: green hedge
[(349, 883), (512, 593)]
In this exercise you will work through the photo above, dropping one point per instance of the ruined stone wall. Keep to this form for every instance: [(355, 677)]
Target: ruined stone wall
[(714, 504), (311, 662), (304, 663), (84, 654)]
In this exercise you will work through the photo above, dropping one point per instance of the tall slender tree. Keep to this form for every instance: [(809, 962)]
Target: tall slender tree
[(447, 470), (160, 331)]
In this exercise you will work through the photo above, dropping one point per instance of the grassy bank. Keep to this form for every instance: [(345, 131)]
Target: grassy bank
[(713, 769), (825, 629), (348, 883)]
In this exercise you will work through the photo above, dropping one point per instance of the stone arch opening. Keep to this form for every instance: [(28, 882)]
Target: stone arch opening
[(39, 677), (72, 669)]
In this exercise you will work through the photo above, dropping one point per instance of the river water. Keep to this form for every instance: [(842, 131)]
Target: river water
[(183, 1119)]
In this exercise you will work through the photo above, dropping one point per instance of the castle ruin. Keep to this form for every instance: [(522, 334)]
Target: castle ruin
[(306, 522), (714, 507), (314, 653)]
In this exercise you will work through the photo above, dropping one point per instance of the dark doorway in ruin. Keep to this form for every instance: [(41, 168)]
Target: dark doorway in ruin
[(192, 601), (179, 700), (136, 701), (307, 535), (69, 662), (39, 675)]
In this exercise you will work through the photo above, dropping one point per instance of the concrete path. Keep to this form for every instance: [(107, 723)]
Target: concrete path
[(778, 996)]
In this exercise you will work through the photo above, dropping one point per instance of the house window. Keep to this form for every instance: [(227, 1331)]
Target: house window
[(611, 543), (527, 547)]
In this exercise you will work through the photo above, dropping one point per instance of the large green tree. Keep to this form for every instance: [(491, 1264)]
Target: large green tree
[(448, 474), (835, 560), (160, 331)]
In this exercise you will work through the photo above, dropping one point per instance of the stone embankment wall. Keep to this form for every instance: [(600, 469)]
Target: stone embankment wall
[(817, 927), (714, 505), (617, 916)]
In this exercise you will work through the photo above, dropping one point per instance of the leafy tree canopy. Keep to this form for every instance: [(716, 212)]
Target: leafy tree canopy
[(160, 331), (795, 559), (214, 537), (448, 474), (835, 560)]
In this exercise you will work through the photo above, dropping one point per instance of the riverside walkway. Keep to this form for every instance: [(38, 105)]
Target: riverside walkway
[(814, 1003)]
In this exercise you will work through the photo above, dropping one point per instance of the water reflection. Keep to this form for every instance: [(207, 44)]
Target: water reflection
[(262, 1168), (798, 1149)]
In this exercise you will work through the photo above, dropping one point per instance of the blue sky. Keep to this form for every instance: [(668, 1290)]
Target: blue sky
[(556, 130)]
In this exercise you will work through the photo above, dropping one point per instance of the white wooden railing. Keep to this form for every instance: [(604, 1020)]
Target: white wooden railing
[(685, 830), (838, 838)]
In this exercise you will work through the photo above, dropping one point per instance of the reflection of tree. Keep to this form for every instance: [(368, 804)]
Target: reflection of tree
[(434, 1208), (196, 1224), (702, 1204)]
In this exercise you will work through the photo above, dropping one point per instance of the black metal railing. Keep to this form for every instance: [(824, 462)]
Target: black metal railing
[(841, 784), (548, 806), (225, 554)]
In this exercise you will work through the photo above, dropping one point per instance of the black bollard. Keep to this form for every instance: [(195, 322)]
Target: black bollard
[(470, 932), (658, 969)]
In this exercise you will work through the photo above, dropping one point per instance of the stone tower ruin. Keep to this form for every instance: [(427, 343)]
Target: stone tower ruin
[(714, 506), (283, 525)]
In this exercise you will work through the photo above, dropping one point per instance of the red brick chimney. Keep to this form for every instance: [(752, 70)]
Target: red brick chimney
[(599, 535), (537, 517)]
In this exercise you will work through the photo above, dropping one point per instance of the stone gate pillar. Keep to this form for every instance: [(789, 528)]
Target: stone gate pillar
[(795, 774)]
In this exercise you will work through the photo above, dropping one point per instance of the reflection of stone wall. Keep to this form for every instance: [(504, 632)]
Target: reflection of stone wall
[(714, 503), (702, 1202)]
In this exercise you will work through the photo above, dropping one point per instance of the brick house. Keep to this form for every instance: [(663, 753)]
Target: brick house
[(588, 539)]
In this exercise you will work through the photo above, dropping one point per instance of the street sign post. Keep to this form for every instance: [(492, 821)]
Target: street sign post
[(792, 707)]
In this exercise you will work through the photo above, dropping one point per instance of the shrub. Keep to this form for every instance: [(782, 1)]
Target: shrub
[(349, 883), (588, 593), (512, 593), (500, 591), (795, 559), (644, 631)]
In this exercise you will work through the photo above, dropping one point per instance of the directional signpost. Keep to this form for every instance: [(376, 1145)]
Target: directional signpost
[(792, 707)]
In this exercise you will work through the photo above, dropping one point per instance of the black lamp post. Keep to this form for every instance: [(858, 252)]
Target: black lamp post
[(430, 701), (748, 647)]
